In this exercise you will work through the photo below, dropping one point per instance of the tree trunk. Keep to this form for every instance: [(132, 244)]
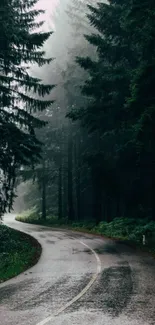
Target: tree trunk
[(78, 193), (118, 207), (60, 191), (43, 194), (97, 197), (77, 177), (65, 194), (70, 179)]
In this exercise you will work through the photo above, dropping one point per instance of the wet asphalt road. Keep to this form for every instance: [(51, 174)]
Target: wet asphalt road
[(123, 293)]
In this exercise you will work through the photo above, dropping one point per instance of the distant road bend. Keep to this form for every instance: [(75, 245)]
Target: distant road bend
[(80, 280)]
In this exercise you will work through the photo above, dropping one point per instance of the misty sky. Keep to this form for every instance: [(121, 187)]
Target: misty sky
[(49, 6)]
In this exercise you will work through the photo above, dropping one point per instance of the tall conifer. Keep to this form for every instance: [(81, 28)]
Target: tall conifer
[(20, 93)]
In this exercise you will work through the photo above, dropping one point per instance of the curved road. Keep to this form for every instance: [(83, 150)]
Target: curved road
[(111, 283)]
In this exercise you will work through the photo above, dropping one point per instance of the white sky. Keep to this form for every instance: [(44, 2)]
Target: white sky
[(49, 6)]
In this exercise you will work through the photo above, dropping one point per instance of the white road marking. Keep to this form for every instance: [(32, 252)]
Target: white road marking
[(82, 293)]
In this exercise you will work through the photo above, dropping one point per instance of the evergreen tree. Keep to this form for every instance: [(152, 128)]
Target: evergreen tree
[(106, 115), (20, 92), (107, 168), (140, 20), (120, 89)]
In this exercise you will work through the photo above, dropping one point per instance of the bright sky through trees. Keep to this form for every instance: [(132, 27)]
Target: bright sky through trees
[(49, 6)]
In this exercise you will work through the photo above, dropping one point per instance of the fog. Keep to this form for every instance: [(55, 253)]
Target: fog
[(68, 29), (67, 19)]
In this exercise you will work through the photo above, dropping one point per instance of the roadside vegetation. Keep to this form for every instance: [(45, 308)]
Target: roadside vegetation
[(83, 148), (129, 230), (18, 252), (99, 142)]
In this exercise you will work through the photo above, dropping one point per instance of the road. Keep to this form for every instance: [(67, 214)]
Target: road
[(102, 283)]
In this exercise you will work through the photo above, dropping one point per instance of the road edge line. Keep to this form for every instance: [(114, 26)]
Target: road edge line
[(82, 293)]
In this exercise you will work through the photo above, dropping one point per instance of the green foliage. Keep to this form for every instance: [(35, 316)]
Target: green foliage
[(129, 230), (34, 217), (17, 252), (120, 109), (110, 93), (89, 225), (20, 93)]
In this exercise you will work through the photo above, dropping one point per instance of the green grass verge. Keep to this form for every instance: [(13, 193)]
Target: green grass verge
[(18, 252), (128, 230), (31, 216)]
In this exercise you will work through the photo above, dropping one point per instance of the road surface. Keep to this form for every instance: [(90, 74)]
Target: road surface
[(80, 280)]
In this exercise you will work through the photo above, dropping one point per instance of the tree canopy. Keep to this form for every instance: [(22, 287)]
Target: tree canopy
[(120, 89), (20, 92), (106, 165)]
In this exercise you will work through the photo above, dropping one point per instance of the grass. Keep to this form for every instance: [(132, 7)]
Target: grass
[(130, 230), (31, 216), (18, 252)]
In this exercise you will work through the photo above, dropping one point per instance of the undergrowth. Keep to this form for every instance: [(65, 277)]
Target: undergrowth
[(18, 252), (128, 229)]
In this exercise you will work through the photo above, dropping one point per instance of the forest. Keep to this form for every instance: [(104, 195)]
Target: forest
[(78, 145)]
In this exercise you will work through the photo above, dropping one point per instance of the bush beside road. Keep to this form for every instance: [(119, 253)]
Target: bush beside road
[(18, 252), (130, 230)]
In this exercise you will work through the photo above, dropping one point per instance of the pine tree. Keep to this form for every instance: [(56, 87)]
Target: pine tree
[(106, 115), (140, 20), (20, 93), (120, 110)]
